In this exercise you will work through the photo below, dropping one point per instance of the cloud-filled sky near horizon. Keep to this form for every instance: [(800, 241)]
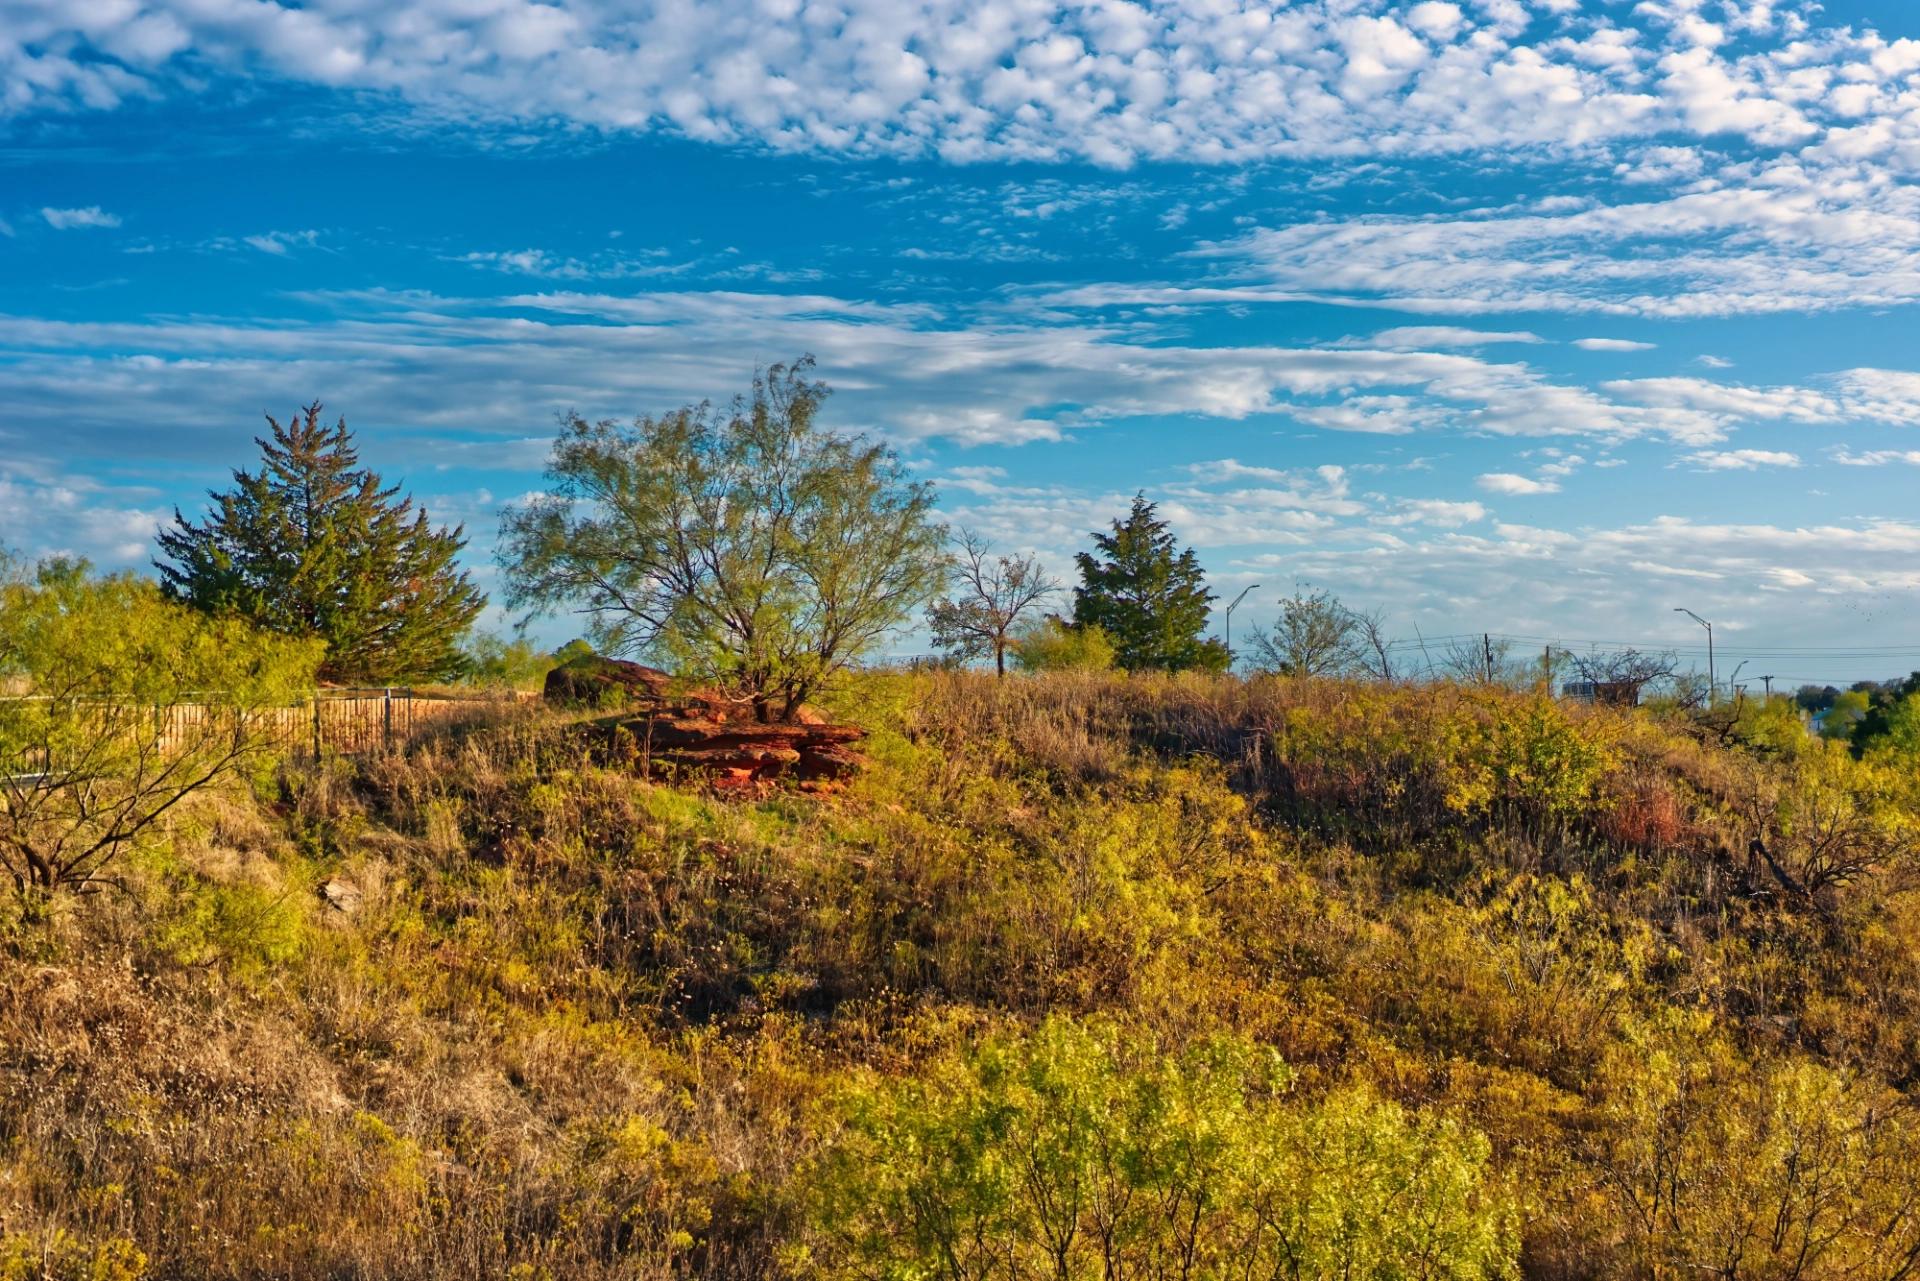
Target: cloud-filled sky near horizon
[(1534, 316)]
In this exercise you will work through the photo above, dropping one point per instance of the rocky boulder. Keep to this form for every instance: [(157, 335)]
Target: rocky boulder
[(667, 733), (592, 681), (736, 753)]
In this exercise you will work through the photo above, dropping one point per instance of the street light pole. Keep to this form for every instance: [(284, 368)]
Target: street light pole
[(1713, 689), (1229, 620)]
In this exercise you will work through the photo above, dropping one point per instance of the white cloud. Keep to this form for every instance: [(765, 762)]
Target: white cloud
[(605, 266), (1802, 240), (91, 216), (281, 243), (1512, 483), (909, 368), (1764, 585), (1611, 344), (1440, 512), (1882, 395), (1741, 459), (1662, 165), (1563, 465), (1108, 82), (1422, 337), (1435, 18), (1875, 457), (1734, 402), (50, 512)]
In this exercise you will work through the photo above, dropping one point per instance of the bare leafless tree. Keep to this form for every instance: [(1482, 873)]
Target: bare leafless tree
[(991, 595), (1627, 670), (1478, 660), (1373, 649)]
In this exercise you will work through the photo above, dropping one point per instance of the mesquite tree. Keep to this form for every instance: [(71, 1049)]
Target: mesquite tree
[(745, 547)]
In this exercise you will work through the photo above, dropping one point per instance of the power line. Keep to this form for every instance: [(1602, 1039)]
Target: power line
[(1861, 652)]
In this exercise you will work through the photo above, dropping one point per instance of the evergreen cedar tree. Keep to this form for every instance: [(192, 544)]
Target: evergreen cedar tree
[(312, 544), (1149, 596), (743, 547)]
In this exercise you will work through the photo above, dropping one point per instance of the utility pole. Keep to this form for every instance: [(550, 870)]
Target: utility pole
[(1236, 602), (1486, 647), (1769, 681), (1713, 688)]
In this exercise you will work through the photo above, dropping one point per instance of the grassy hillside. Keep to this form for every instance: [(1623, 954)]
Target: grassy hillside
[(1089, 976)]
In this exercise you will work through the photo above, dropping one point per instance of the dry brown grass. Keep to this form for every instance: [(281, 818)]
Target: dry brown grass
[(579, 1025)]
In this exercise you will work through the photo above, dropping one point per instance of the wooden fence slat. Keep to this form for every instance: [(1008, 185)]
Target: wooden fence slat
[(346, 723)]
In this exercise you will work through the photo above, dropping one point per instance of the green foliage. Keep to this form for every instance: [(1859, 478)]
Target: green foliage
[(1315, 635), (491, 661), (1053, 645), (1149, 596), (1900, 737), (1777, 1169), (1835, 819), (578, 647), (1473, 752), (131, 704), (1774, 725), (249, 929), (1889, 714), (1845, 714), (748, 548), (312, 545), (65, 1257), (1083, 1152)]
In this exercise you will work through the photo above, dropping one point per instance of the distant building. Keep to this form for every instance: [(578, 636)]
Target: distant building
[(1610, 693)]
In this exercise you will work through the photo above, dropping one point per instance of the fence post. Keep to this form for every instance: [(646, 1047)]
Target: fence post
[(387, 716), (316, 725)]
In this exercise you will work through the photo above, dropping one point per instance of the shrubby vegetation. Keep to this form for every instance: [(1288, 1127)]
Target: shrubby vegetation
[(90, 759), (1084, 1151), (1092, 975), (495, 662), (1053, 645)]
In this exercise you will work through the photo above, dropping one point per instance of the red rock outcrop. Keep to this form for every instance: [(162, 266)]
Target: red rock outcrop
[(661, 732)]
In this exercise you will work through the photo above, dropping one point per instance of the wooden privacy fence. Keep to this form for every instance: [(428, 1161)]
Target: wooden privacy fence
[(349, 721)]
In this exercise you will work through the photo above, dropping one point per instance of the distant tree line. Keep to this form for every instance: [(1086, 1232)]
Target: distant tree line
[(750, 547), (1866, 713)]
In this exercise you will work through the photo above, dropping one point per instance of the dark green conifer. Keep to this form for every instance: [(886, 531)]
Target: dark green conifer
[(313, 544), (1148, 595)]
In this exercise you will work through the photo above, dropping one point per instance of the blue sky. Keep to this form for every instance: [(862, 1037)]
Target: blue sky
[(1540, 317)]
